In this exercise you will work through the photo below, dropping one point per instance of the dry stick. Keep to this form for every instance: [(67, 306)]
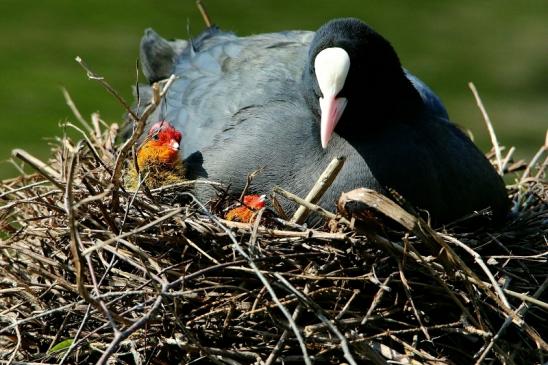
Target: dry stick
[(427, 234), (65, 307), (75, 337), (481, 263), (156, 97), (94, 196), (101, 244), (59, 329), (520, 312), (310, 206), (374, 237), (305, 276), (396, 357), (75, 243), (281, 341), (494, 140), (38, 165), (192, 338), (31, 254), (290, 299), (261, 277), (526, 298), (508, 157), (112, 134), (536, 157), (318, 311), (93, 76), (383, 205), (410, 222), (274, 296), (251, 357), (392, 210), (140, 123), (479, 283), (11, 191), (407, 291), (135, 249), (409, 348), (138, 131), (95, 120), (199, 249), (91, 147), (105, 325), (18, 167), (256, 219), (310, 233), (248, 181), (120, 336), (376, 299), (449, 327), (75, 110), (444, 284), (280, 212), (320, 187), (542, 168), (204, 13), (188, 183), (47, 274), (347, 305), (19, 341)]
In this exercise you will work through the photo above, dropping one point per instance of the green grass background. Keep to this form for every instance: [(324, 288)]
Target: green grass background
[(500, 45)]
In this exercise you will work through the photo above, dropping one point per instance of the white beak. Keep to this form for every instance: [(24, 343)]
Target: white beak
[(331, 68)]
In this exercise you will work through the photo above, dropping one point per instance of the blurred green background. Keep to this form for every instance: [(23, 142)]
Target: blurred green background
[(502, 46)]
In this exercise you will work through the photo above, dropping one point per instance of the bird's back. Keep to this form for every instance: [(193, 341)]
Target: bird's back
[(227, 74)]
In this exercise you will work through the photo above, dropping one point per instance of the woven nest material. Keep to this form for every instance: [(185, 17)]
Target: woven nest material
[(93, 273)]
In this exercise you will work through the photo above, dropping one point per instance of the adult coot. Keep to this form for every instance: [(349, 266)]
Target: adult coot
[(290, 102)]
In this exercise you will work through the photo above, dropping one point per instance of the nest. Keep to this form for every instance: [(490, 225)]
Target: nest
[(93, 273)]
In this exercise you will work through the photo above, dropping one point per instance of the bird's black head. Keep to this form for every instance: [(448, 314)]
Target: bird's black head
[(353, 74)]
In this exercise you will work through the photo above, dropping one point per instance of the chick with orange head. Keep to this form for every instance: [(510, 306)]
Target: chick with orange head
[(246, 211), (158, 158)]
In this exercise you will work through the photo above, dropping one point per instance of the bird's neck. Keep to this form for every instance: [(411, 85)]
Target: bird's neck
[(389, 96), (377, 108)]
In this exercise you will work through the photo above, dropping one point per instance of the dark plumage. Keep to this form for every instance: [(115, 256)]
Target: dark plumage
[(158, 55), (250, 102)]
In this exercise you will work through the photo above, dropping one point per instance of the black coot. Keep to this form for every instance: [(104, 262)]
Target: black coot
[(290, 102)]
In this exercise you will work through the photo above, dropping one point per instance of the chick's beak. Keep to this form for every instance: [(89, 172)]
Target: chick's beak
[(174, 145)]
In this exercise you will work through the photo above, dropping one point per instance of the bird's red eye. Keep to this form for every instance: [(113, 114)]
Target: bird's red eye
[(155, 136)]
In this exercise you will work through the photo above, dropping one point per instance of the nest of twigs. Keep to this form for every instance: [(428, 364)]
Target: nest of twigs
[(93, 273)]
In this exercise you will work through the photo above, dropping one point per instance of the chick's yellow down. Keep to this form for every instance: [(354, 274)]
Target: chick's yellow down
[(158, 159)]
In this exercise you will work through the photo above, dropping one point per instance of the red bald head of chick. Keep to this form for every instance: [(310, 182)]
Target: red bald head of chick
[(245, 212), (161, 147)]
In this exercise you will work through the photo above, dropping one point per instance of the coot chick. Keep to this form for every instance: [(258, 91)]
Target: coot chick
[(248, 210), (158, 158)]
